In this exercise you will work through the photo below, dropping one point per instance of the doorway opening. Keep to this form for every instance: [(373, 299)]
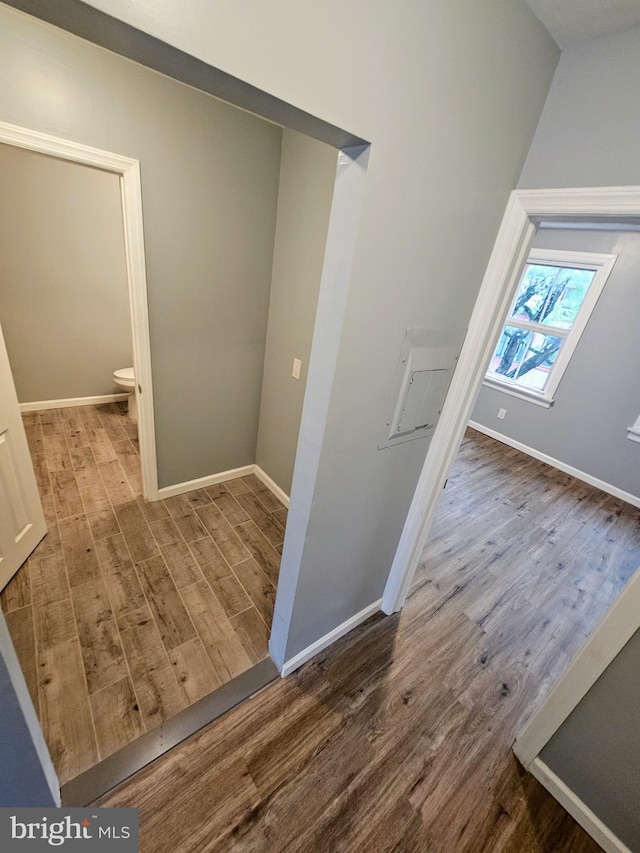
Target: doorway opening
[(144, 610), (526, 210), (185, 161), (537, 529), (73, 311), (128, 174)]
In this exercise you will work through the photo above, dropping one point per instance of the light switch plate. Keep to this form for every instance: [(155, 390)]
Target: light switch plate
[(297, 365)]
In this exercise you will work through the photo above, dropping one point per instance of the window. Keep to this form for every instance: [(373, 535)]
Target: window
[(554, 298)]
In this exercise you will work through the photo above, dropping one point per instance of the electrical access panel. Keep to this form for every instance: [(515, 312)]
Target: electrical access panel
[(421, 384)]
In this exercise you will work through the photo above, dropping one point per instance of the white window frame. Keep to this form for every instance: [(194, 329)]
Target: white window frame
[(602, 265)]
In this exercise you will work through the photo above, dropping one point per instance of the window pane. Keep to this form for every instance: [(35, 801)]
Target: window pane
[(567, 297), (525, 357), (535, 366), (533, 292), (512, 346), (550, 295)]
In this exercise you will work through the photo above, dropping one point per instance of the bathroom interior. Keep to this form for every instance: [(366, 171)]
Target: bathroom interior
[(130, 611)]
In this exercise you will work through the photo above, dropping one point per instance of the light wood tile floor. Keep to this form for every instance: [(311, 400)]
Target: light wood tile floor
[(128, 611), (398, 737)]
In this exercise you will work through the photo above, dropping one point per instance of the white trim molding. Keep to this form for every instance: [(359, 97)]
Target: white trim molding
[(72, 402), (619, 624), (232, 474), (524, 210), (578, 810), (282, 496), (18, 685), (203, 482), (514, 391), (314, 649), (557, 463), (128, 171)]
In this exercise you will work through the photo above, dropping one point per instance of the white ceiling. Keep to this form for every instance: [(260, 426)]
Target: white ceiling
[(577, 20)]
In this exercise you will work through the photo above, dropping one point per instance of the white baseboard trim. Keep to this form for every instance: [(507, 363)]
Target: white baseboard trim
[(70, 402), (556, 463), (576, 808), (272, 486), (213, 479), (203, 482), (315, 648)]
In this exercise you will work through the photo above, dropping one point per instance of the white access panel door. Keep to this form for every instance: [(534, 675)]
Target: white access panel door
[(22, 523), (423, 399), (424, 372)]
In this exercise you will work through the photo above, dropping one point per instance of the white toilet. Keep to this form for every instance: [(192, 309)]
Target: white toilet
[(124, 378)]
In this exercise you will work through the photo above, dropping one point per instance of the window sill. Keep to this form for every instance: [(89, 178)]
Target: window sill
[(633, 434), (521, 393)]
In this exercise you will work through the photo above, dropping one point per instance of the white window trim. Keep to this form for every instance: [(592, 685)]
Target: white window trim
[(603, 265), (515, 390)]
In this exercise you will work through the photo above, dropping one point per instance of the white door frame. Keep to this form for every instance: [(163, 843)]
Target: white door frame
[(128, 171), (525, 209)]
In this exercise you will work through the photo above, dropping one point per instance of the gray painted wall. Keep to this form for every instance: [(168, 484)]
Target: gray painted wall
[(596, 751), (449, 95), (27, 777), (588, 131), (598, 397), (307, 174), (209, 186), (64, 300)]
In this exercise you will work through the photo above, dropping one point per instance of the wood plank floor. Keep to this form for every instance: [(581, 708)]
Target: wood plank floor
[(399, 737), (127, 612)]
